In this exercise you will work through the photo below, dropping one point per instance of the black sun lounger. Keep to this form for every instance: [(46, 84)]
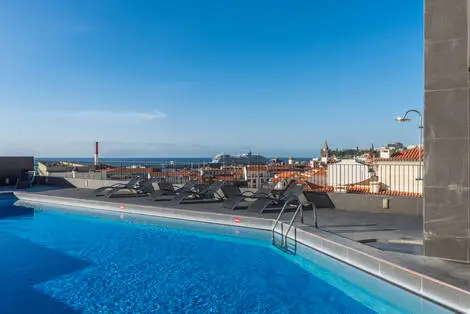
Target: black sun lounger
[(143, 188), (26, 180), (236, 199), (319, 199), (205, 194), (167, 191), (166, 188), (316, 201), (102, 191), (280, 192), (275, 202)]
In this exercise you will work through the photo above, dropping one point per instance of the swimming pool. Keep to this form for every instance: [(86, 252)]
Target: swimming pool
[(60, 260)]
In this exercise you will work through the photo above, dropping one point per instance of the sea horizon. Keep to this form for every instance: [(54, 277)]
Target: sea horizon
[(122, 161)]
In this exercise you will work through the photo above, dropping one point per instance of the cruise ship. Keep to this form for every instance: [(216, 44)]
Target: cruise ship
[(244, 159)]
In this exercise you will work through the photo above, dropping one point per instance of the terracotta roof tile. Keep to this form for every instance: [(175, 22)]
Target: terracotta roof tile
[(268, 168), (409, 154), (413, 154), (357, 189)]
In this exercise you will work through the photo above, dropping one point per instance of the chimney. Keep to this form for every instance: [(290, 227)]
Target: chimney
[(96, 155)]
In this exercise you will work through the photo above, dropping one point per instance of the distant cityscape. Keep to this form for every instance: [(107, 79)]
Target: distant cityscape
[(391, 169)]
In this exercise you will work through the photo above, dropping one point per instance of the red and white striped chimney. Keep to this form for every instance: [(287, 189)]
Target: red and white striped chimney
[(96, 154)]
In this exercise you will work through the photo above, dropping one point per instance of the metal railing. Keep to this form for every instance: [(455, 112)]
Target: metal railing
[(381, 177), (284, 236)]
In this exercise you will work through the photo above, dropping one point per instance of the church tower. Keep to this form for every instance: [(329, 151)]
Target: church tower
[(325, 153)]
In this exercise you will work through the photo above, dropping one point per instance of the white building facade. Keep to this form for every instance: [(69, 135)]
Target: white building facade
[(256, 176), (400, 176), (347, 172)]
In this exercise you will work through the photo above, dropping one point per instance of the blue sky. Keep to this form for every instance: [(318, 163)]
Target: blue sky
[(193, 78)]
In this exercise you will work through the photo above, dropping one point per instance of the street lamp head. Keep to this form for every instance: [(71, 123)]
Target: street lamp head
[(402, 119)]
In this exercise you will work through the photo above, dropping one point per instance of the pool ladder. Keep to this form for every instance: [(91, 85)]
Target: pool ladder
[(283, 244)]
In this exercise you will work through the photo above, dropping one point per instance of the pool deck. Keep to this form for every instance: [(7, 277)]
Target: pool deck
[(341, 235)]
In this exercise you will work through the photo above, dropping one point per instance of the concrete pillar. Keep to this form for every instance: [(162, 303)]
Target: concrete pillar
[(446, 129)]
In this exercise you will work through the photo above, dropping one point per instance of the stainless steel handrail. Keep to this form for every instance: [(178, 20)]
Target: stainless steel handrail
[(284, 237), (278, 219)]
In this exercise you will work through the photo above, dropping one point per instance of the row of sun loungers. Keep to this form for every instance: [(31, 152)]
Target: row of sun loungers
[(138, 187), (231, 197)]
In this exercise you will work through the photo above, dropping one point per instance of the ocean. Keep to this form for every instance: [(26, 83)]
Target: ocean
[(145, 161), (136, 161)]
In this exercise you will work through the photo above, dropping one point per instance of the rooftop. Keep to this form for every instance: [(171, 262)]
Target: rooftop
[(414, 154), (392, 237)]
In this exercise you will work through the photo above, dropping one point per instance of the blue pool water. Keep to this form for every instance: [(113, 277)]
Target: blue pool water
[(57, 260)]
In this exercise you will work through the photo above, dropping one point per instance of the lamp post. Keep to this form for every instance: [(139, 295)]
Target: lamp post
[(420, 127)]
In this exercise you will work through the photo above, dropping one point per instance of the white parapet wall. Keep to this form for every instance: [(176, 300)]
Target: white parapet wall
[(347, 172), (402, 177)]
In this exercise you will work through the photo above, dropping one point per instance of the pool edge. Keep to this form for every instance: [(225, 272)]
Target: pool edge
[(430, 288)]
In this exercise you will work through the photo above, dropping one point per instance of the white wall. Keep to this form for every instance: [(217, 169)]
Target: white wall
[(346, 172), (76, 175), (400, 176)]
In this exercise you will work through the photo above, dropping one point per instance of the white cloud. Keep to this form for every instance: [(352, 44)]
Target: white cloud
[(103, 114)]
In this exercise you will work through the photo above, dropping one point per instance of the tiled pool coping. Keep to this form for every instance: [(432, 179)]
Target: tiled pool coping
[(357, 255)]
